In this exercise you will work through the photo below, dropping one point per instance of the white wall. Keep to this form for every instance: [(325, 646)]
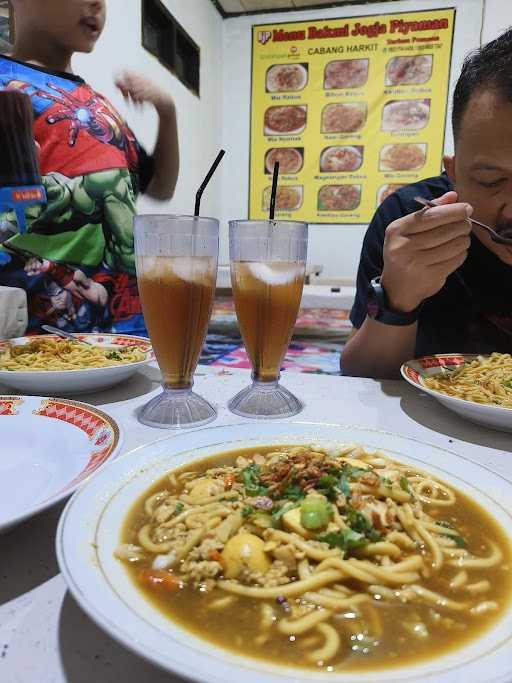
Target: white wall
[(497, 18), (199, 119), (336, 247)]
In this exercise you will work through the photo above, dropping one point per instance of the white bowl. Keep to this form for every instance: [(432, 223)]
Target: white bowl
[(90, 526), (66, 382), (415, 371), (49, 447)]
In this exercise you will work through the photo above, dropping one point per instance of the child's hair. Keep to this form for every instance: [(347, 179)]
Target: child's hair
[(18, 160)]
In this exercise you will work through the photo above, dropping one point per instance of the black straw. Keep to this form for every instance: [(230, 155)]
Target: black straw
[(274, 191), (205, 182)]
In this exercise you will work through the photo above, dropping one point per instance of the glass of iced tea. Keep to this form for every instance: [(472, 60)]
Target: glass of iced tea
[(268, 266), (176, 259)]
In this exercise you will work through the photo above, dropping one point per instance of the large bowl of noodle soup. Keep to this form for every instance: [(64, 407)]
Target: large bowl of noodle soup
[(351, 592), (477, 388)]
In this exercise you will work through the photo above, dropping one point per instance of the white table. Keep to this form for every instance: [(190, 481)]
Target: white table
[(46, 638)]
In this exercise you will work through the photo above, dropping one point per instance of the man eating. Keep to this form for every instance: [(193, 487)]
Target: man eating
[(430, 281)]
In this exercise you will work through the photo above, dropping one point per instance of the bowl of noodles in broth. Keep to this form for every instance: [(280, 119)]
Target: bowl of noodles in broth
[(478, 388), (310, 550), (47, 364)]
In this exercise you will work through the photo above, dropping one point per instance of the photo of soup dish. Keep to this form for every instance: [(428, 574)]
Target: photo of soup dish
[(405, 115), (328, 558), (345, 73), (290, 159), (413, 70), (286, 77), (343, 118), (386, 190), (339, 197), (285, 120), (341, 158), (288, 197), (406, 157)]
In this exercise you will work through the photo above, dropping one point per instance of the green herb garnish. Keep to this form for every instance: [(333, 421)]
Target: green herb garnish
[(113, 355), (293, 492), (404, 484), (250, 479), (179, 508), (360, 523), (346, 540), (247, 511)]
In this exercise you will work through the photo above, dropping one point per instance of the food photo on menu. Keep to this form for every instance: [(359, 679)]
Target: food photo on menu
[(341, 158), (346, 73), (285, 120), (401, 115), (291, 159), (339, 197), (288, 197), (413, 70), (402, 157), (347, 117), (286, 77)]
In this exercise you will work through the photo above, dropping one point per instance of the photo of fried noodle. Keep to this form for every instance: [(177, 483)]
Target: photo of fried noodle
[(42, 355), (332, 547), (487, 379)]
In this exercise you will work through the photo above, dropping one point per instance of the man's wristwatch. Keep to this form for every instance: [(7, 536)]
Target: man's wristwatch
[(378, 308)]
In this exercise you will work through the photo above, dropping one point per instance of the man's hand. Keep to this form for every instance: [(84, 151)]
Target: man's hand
[(139, 90), (422, 249)]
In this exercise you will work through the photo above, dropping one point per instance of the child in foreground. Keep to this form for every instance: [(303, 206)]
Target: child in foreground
[(76, 262)]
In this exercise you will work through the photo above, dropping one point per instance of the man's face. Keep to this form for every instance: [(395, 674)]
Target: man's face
[(72, 24), (482, 167)]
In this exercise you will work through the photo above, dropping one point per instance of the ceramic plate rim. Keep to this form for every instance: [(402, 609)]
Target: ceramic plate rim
[(66, 491), (127, 474)]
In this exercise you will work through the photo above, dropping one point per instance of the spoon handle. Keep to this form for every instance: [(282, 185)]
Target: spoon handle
[(64, 335)]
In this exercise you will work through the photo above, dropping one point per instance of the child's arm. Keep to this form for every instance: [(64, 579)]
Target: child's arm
[(166, 157)]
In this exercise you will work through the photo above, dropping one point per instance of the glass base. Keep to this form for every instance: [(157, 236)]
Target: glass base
[(176, 409), (264, 400)]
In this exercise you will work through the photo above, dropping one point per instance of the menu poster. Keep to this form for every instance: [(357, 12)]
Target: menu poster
[(352, 109)]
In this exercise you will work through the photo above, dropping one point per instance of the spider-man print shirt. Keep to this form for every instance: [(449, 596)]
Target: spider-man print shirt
[(76, 261)]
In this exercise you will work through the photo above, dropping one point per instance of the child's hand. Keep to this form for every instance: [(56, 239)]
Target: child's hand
[(139, 90)]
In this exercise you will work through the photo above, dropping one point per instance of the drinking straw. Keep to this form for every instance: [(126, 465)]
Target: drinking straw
[(274, 191), (205, 182)]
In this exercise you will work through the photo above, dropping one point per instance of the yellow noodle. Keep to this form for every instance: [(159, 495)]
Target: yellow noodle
[(42, 355), (485, 380), (330, 647), (303, 624), (289, 590)]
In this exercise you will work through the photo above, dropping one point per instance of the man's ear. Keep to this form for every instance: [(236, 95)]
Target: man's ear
[(449, 167)]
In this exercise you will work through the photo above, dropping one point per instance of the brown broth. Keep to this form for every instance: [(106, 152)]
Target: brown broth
[(236, 627)]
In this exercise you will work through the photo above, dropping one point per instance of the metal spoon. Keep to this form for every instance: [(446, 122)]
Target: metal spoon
[(499, 239), (64, 335)]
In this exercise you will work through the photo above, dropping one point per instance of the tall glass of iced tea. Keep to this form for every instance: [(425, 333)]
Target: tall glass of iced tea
[(176, 259), (268, 265)]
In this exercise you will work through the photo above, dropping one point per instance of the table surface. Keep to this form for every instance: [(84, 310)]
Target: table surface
[(44, 635)]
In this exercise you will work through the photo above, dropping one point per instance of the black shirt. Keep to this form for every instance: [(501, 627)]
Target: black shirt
[(472, 313)]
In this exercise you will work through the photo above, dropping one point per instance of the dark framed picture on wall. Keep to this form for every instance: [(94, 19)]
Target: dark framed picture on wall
[(6, 25)]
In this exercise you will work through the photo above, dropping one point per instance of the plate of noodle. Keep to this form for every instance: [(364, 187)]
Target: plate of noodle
[(47, 364), (305, 552), (478, 388), (35, 472)]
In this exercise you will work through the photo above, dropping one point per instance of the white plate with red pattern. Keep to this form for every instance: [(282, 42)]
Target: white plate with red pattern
[(74, 382), (49, 447), (416, 371)]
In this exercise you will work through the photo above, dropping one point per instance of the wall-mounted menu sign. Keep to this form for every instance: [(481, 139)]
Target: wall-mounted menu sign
[(352, 108)]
